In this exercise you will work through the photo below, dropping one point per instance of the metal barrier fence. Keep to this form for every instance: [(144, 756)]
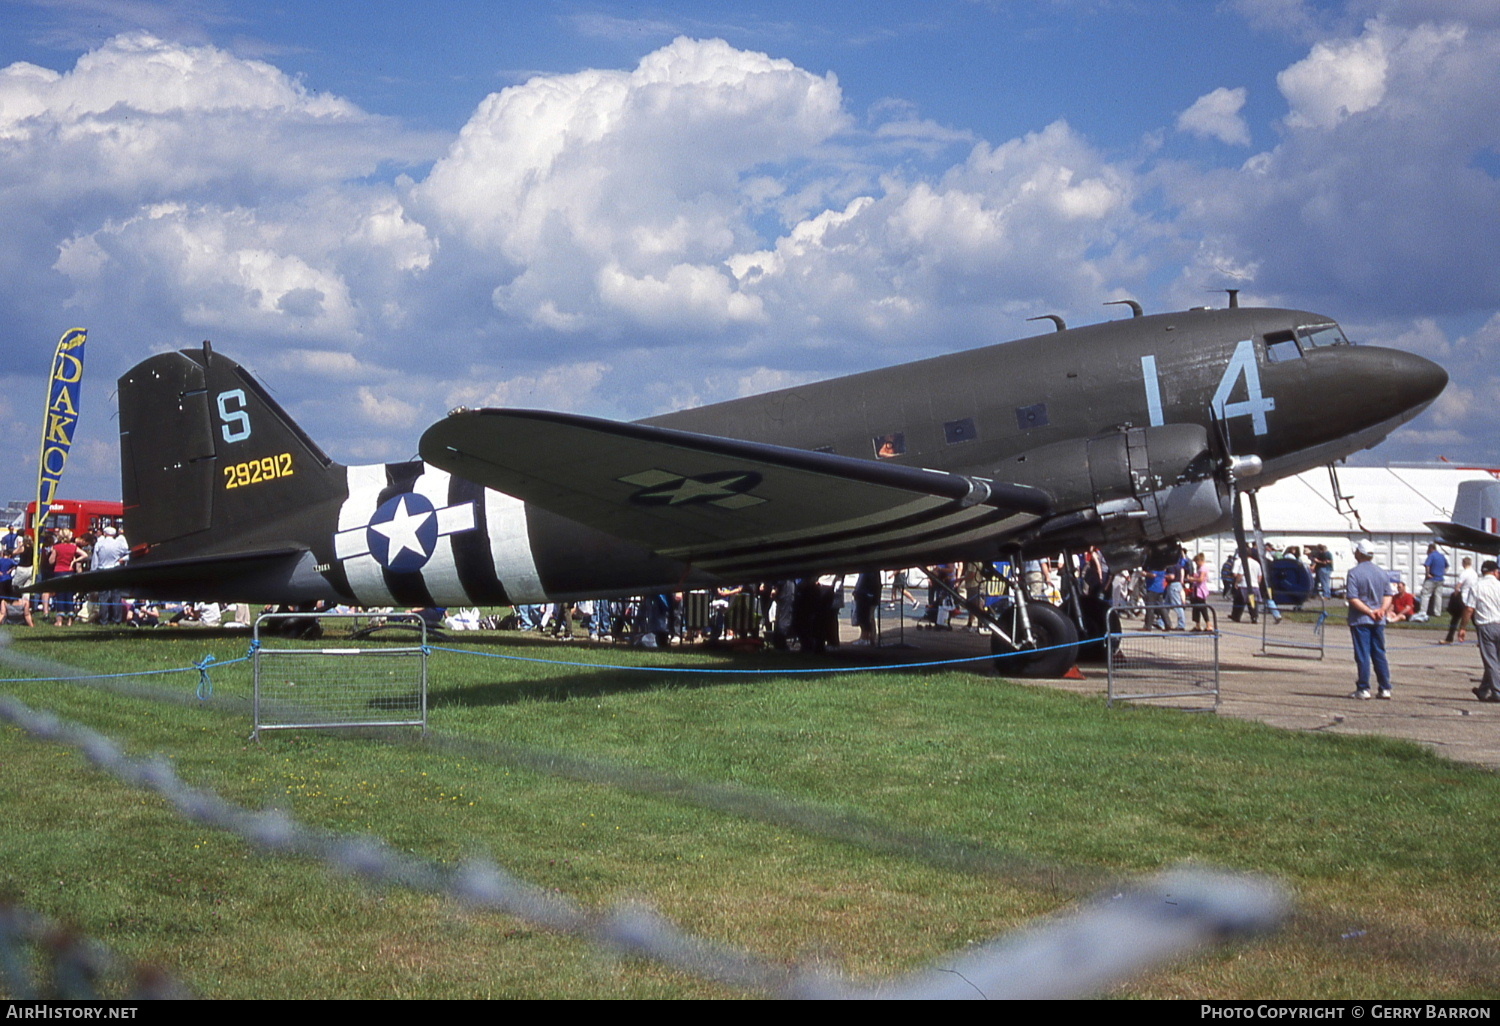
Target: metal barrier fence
[(1293, 635), (1153, 663), (303, 687)]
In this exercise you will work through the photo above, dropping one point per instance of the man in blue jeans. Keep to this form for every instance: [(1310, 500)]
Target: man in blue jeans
[(1434, 570), (1368, 590)]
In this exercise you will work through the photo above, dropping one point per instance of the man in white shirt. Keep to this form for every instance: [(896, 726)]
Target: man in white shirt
[(1484, 610), (110, 551)]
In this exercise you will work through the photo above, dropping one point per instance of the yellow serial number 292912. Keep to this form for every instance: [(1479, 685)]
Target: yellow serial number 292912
[(267, 468)]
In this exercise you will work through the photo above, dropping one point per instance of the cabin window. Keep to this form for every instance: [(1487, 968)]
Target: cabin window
[(1028, 417), (1317, 336), (1282, 346), (956, 431), (891, 445)]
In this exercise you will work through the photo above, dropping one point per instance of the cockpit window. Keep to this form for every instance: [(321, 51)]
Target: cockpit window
[(1316, 336), (1282, 346)]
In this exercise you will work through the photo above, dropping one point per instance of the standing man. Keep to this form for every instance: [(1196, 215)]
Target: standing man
[(1368, 589), (1460, 601), (1435, 570), (1176, 589), (110, 552), (1485, 612), (1322, 568)]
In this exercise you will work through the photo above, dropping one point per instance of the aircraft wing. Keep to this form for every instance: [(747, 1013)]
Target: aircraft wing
[(726, 505)]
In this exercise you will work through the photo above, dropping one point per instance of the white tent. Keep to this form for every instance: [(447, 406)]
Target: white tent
[(1388, 506)]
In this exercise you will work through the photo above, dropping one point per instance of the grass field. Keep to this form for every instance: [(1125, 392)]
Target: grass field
[(870, 821)]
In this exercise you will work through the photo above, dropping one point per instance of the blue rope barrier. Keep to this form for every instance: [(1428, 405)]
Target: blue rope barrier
[(205, 685), (205, 688)]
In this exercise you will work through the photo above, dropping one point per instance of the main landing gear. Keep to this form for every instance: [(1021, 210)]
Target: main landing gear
[(1029, 639)]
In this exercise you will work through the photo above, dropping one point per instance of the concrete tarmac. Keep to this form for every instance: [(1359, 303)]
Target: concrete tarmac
[(1293, 689)]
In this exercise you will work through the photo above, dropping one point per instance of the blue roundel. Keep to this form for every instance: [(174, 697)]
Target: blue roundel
[(403, 532)]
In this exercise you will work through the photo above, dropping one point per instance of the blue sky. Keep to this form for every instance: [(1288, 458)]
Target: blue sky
[(626, 208)]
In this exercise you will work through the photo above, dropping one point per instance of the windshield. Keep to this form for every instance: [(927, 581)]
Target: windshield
[(1317, 335)]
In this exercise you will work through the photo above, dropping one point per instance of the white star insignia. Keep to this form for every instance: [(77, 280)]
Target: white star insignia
[(402, 530)]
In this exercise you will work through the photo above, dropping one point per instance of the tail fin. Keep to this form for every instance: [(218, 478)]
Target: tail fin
[(1476, 518), (210, 463)]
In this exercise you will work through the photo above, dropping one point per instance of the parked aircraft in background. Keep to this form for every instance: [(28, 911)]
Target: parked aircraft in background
[(1128, 435), (1476, 518)]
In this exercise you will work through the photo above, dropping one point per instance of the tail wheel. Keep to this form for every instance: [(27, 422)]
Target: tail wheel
[(1055, 652)]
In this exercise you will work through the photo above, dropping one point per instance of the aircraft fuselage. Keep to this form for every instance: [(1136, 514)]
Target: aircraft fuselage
[(1116, 434)]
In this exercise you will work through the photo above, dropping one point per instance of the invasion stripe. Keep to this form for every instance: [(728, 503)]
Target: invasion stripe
[(471, 549), (366, 577), (510, 547), (440, 573)]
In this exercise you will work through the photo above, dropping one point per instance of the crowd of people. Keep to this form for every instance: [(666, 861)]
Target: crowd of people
[(62, 555), (801, 613), (804, 613)]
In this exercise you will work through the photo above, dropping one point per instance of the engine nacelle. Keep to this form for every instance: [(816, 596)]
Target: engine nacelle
[(1128, 489)]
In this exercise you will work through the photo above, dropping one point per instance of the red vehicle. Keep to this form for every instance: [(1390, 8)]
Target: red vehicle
[(81, 516)]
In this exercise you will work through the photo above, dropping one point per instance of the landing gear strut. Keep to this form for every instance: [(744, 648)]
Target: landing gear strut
[(1029, 639)]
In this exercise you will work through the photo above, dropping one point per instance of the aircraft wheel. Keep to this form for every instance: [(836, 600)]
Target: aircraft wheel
[(1097, 625), (1056, 637)]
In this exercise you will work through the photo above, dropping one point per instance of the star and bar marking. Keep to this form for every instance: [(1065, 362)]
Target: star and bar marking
[(403, 533), (726, 489)]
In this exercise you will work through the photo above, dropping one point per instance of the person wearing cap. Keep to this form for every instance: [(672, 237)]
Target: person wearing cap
[(1484, 611), (1368, 590), (110, 551)]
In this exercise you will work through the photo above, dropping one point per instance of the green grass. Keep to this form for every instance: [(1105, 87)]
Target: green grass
[(871, 821)]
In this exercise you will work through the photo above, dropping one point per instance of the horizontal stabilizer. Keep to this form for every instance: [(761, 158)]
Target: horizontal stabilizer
[(1463, 537), (217, 577), (722, 503)]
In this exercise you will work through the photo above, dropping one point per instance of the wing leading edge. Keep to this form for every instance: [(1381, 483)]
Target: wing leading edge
[(723, 504)]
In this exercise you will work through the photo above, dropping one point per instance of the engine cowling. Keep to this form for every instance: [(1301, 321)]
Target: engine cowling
[(1126, 490)]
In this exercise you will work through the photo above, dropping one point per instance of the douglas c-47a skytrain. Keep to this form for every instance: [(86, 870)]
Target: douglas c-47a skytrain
[(1129, 435)]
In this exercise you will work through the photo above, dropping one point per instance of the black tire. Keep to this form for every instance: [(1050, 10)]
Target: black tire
[(1056, 641)]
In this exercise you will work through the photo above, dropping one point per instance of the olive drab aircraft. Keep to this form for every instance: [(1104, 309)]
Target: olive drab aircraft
[(1128, 435)]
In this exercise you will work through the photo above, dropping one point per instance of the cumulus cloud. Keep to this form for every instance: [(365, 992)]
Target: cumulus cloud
[(606, 196), (1376, 196), (1216, 115), (144, 119), (1334, 81)]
